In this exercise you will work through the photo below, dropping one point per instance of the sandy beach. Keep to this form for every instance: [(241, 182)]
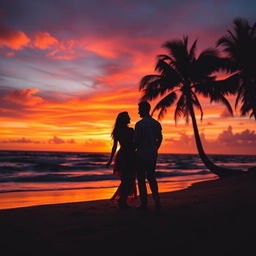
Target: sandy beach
[(214, 217)]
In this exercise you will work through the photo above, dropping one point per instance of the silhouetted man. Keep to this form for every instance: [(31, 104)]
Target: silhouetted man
[(148, 138)]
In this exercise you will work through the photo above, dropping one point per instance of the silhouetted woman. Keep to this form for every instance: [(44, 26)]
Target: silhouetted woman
[(124, 164)]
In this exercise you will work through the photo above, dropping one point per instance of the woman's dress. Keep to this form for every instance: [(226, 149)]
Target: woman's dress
[(124, 164)]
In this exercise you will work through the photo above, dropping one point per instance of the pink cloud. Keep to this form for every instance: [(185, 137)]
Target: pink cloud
[(66, 49), (244, 138), (226, 142)]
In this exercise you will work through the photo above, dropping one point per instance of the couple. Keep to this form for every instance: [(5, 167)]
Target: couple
[(136, 157)]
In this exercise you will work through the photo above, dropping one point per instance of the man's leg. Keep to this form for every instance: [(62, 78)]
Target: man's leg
[(141, 176), (151, 176)]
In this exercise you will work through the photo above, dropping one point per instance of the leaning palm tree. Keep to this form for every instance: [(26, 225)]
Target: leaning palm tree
[(240, 47), (180, 76)]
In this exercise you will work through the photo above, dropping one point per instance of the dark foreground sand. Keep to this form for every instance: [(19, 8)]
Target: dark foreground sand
[(215, 217)]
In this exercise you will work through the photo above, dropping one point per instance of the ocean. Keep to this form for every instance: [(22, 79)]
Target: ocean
[(37, 171)]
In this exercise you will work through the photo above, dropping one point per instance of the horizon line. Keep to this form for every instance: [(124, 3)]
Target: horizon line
[(93, 152)]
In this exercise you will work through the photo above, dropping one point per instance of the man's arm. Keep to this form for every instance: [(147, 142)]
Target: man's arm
[(136, 138)]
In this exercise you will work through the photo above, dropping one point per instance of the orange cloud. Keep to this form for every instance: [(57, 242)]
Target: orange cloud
[(59, 49), (15, 40), (44, 40)]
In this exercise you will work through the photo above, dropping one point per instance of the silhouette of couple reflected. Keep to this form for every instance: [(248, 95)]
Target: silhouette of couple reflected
[(136, 157)]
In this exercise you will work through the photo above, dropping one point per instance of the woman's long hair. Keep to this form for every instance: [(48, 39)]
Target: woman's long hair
[(121, 123)]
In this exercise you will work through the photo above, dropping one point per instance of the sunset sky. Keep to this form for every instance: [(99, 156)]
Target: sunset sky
[(67, 68)]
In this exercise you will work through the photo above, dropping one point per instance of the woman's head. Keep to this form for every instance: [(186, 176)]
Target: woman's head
[(122, 121)]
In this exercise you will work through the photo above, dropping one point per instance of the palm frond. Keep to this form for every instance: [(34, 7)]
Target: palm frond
[(248, 99), (208, 62), (192, 52), (224, 41), (228, 86), (178, 51), (168, 73), (152, 91), (240, 95), (232, 36), (180, 107), (164, 103), (241, 25), (164, 68), (228, 42), (228, 65), (226, 103), (148, 80), (245, 108), (165, 57), (212, 88)]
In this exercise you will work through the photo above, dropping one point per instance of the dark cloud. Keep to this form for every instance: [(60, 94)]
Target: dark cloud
[(112, 17), (21, 140), (11, 106), (24, 97), (75, 17), (58, 140)]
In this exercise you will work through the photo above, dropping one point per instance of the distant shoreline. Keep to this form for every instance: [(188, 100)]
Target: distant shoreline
[(86, 152)]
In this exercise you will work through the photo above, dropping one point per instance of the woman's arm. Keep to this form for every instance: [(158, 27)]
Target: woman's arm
[(112, 153)]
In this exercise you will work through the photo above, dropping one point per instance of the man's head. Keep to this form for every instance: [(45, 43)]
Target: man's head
[(144, 108)]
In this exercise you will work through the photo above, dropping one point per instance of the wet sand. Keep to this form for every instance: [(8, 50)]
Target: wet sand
[(216, 217), (9, 200)]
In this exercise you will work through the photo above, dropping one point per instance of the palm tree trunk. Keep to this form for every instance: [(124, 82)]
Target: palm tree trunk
[(220, 171)]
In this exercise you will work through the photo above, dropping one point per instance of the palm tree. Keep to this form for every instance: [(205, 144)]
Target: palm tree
[(240, 47), (180, 76)]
